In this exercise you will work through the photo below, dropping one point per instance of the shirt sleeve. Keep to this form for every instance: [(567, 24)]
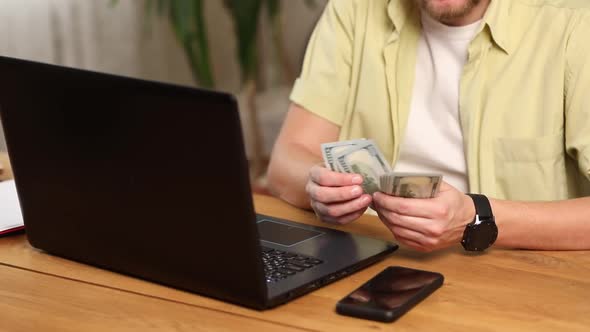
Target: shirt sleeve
[(324, 84), (577, 94)]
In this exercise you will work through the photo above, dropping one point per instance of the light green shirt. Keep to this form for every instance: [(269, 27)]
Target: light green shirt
[(524, 94)]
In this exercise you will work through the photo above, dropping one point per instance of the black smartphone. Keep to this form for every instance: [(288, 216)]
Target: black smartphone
[(390, 294)]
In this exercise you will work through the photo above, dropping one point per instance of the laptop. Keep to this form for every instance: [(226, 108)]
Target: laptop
[(151, 180)]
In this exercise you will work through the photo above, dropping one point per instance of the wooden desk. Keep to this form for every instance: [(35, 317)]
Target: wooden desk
[(504, 290)]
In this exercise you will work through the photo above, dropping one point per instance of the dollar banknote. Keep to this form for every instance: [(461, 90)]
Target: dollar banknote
[(410, 185), (366, 160), (329, 150), (363, 157)]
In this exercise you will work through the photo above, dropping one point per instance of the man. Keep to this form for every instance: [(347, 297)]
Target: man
[(493, 94)]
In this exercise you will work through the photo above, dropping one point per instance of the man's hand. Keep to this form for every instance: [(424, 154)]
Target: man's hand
[(427, 224), (336, 198)]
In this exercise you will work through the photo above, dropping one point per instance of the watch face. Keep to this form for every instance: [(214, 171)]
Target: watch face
[(482, 236)]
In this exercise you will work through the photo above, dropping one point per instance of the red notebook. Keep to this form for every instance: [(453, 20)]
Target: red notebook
[(11, 219)]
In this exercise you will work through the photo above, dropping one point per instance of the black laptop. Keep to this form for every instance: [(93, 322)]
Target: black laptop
[(151, 180)]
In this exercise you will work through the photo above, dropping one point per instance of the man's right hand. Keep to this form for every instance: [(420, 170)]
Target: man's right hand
[(336, 198)]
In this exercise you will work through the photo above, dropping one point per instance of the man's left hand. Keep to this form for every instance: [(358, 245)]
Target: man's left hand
[(427, 224)]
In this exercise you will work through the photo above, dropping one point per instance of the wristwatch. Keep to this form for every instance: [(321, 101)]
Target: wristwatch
[(482, 232)]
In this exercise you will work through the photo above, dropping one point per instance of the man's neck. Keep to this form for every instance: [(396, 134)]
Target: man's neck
[(476, 14)]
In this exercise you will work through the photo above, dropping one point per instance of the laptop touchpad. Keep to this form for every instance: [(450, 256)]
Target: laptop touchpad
[(283, 234)]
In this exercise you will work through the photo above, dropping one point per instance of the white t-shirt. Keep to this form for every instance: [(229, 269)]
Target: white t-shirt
[(433, 141)]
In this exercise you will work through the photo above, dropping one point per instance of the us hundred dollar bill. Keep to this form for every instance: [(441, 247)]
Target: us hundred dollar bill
[(366, 160), (329, 151), (363, 157), (411, 185)]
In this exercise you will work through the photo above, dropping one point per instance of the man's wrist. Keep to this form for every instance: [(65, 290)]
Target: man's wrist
[(465, 217), (469, 210)]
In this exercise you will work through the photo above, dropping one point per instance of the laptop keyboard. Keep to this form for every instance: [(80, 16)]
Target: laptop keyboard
[(279, 264)]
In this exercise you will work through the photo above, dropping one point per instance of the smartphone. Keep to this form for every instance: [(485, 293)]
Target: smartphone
[(390, 294)]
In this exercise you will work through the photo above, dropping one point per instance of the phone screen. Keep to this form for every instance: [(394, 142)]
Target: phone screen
[(391, 293)]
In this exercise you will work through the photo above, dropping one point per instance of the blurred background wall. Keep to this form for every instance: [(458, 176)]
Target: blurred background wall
[(120, 38)]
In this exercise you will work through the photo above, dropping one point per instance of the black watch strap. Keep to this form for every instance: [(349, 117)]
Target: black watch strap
[(482, 206), (483, 231)]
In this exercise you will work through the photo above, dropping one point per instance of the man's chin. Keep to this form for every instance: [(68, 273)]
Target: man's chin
[(448, 9)]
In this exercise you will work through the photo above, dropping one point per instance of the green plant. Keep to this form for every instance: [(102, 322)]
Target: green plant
[(246, 14), (188, 22)]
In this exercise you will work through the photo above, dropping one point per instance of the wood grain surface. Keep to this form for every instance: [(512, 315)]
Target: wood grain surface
[(502, 290)]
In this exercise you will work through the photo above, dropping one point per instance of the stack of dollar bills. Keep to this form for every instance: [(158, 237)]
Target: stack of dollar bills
[(363, 157)]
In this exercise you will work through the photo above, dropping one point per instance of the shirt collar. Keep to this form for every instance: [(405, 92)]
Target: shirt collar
[(497, 18), (399, 11)]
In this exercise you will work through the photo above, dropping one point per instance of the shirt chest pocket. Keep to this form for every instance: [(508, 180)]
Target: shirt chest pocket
[(531, 169)]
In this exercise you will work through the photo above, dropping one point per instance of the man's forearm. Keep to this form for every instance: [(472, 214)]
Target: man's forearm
[(563, 225), (289, 172)]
